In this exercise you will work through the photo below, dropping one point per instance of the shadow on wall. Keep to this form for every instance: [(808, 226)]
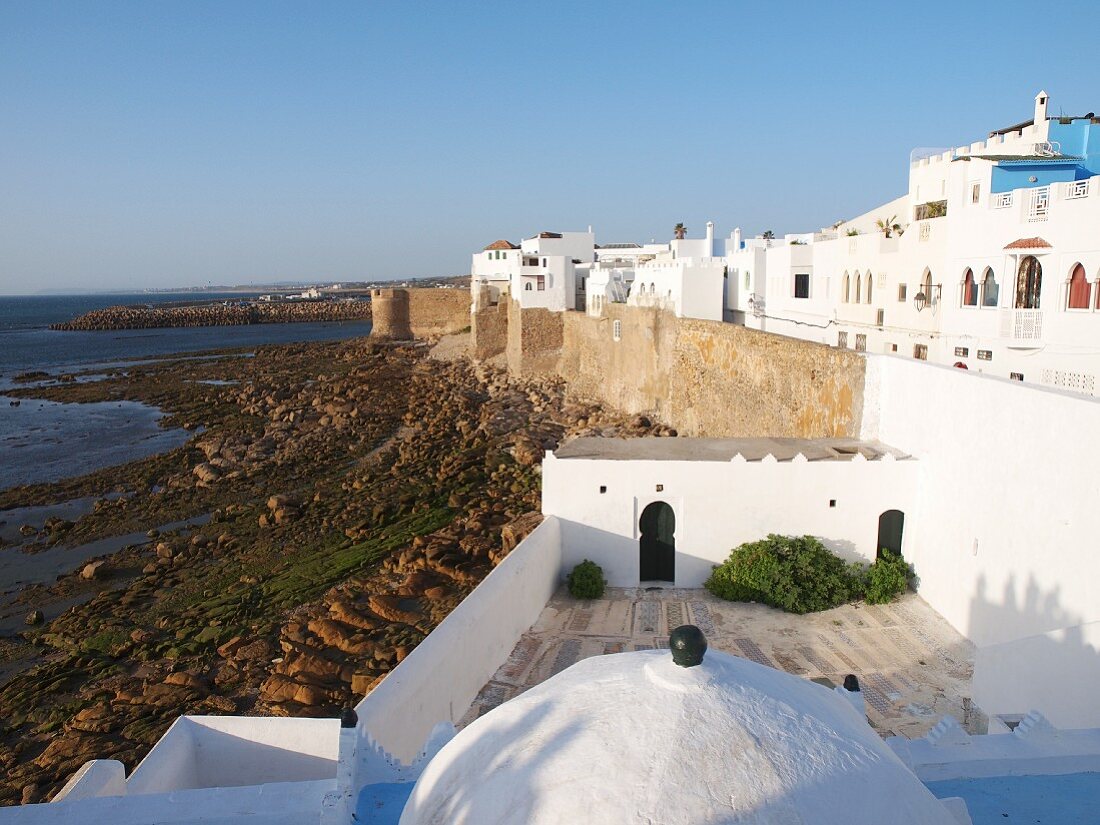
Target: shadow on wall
[(1036, 656)]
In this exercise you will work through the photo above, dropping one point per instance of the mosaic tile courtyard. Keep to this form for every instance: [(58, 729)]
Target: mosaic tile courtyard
[(913, 667)]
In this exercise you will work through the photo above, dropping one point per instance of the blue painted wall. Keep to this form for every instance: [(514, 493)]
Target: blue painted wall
[(1079, 138)]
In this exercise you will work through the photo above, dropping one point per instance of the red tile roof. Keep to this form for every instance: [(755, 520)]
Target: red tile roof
[(1029, 243), (502, 245)]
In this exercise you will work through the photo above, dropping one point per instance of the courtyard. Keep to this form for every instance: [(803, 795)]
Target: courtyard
[(913, 667)]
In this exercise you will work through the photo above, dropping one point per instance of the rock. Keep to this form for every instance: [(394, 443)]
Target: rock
[(390, 609), (435, 594), (227, 650), (35, 617), (206, 472), (348, 614), (94, 570), (30, 792), (165, 551), (364, 683), (184, 679)]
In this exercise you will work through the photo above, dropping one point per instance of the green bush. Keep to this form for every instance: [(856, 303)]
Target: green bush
[(586, 581), (887, 578), (795, 573)]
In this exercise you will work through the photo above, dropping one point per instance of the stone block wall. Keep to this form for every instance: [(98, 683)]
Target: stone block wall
[(535, 337), (489, 327), (404, 314), (707, 378), (438, 311)]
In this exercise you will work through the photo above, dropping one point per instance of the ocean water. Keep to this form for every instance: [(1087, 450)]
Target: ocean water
[(27, 344), (45, 441)]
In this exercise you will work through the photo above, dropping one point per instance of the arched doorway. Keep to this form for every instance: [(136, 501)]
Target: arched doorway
[(1029, 283), (891, 524), (657, 545)]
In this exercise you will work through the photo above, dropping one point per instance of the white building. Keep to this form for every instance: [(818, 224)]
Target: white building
[(990, 262), (540, 272)]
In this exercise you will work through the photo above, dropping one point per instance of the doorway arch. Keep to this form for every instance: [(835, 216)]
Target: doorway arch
[(891, 526), (657, 543)]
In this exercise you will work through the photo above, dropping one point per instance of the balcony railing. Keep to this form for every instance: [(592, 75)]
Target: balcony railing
[(1002, 200), (1077, 189), (1038, 204), (1022, 324)]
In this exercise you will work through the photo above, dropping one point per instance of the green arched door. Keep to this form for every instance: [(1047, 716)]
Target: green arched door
[(891, 525), (657, 545)]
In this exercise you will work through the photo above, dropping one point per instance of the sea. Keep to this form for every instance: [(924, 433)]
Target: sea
[(47, 441)]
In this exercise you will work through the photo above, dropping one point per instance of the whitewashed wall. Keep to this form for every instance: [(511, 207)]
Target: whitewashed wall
[(439, 680), (718, 505), (1007, 518)]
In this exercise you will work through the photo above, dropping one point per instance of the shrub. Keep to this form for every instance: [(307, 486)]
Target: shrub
[(795, 573), (586, 581), (887, 578)]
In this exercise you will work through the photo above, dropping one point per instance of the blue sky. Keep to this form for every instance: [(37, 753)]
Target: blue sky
[(159, 144)]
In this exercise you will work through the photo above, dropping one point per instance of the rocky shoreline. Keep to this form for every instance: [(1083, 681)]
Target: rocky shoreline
[(355, 494), (217, 315)]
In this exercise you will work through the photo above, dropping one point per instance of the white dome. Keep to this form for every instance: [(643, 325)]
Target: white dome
[(633, 738)]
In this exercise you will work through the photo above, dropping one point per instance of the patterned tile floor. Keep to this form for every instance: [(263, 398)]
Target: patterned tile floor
[(913, 667)]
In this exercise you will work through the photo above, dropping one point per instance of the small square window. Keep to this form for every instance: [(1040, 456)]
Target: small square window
[(660, 488), (1016, 376), (920, 352), (603, 488), (832, 502), (617, 330), (893, 348), (975, 192), (902, 289), (985, 355), (802, 285), (962, 352)]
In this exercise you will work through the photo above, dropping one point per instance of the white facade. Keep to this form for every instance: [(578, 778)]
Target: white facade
[(720, 501), (540, 272), (945, 282)]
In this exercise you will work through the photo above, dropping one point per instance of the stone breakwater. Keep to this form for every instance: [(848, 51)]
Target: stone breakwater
[(217, 315)]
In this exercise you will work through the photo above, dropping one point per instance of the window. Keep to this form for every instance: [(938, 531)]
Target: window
[(1079, 289), (527, 287), (969, 289), (920, 352), (540, 280), (746, 279), (902, 290), (1016, 376), (868, 297), (861, 342), (616, 329), (927, 285), (802, 285), (985, 355), (603, 488), (544, 261), (847, 286), (859, 281), (990, 290), (1029, 283), (975, 192), (842, 340), (962, 352)]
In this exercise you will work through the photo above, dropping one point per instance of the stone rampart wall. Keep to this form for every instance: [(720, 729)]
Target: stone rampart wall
[(535, 339), (489, 327), (438, 311), (403, 314), (707, 378)]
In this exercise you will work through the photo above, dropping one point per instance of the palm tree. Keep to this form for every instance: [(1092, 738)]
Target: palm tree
[(680, 231), (768, 236), (888, 226)]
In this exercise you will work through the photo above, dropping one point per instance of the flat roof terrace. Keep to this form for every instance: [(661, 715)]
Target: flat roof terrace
[(724, 449), (913, 667)]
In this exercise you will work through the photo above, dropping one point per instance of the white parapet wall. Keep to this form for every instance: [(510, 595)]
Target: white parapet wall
[(439, 680), (1004, 541), (718, 505)]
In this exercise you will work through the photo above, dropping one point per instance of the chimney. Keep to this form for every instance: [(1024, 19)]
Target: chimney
[(1040, 108), (737, 238), (710, 239)]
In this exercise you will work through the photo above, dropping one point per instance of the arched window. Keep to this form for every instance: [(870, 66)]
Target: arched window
[(847, 286), (1079, 288), (868, 297), (859, 282), (970, 289), (926, 285), (991, 292), (527, 286), (1029, 283)]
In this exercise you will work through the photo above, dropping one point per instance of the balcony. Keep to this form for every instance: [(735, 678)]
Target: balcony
[(932, 209), (1022, 325)]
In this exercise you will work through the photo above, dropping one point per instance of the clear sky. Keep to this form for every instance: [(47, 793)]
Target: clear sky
[(183, 143)]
